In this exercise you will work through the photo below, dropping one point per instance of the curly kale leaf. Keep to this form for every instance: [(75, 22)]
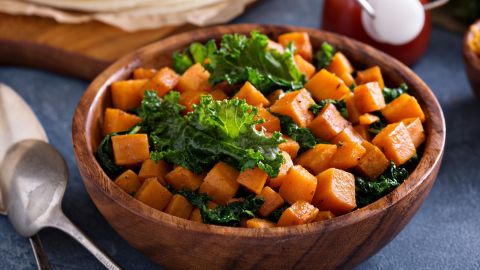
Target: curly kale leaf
[(195, 53), (324, 56), (392, 93), (303, 136)]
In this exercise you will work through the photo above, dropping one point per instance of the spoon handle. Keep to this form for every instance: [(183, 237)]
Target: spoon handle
[(64, 224), (40, 257)]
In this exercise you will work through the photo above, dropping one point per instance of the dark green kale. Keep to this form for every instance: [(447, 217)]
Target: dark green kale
[(104, 152), (195, 53), (242, 59), (392, 93), (377, 126), (303, 136), (367, 191), (339, 104), (324, 56), (227, 215), (277, 213)]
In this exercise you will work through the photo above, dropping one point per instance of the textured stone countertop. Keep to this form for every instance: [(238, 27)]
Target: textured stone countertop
[(445, 233)]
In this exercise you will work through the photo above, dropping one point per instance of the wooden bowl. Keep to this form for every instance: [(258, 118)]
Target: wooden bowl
[(472, 59), (175, 243)]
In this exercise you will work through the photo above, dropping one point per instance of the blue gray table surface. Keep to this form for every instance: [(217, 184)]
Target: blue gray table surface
[(445, 233)]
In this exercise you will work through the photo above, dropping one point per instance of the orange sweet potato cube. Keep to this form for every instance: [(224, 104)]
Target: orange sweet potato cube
[(353, 113), (349, 134), (162, 82), (328, 123), (415, 129), (403, 107), (251, 95), (348, 79), (396, 143), (128, 181), (116, 120), (130, 149), (196, 216), (362, 131), (325, 85), (367, 119), (153, 194), (218, 94), (125, 94), (259, 223), (271, 122), (298, 185), (335, 191), (143, 73), (304, 66), (194, 79), (253, 179), (179, 206), (347, 156), (300, 212), (301, 40), (190, 98), (317, 159), (156, 169), (340, 64), (324, 215), (296, 105), (290, 146), (373, 74), (275, 95), (368, 97), (373, 163), (276, 182), (182, 178), (272, 201), (220, 183)]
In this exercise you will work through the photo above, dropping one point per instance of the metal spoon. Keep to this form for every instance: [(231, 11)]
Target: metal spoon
[(33, 178), (367, 7)]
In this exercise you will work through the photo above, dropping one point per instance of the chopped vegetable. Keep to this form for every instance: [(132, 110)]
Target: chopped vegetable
[(324, 56), (303, 136), (392, 93), (339, 104)]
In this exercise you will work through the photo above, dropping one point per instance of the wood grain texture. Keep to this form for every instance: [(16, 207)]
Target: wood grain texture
[(340, 243), (472, 61)]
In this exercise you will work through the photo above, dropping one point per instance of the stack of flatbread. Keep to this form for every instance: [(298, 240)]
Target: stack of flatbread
[(130, 15)]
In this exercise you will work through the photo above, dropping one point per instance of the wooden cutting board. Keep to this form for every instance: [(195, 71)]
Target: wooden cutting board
[(79, 50)]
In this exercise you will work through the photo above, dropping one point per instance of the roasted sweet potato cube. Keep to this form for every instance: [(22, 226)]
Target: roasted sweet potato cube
[(143, 73), (368, 98), (373, 163), (220, 183), (196, 216), (403, 107), (182, 178), (179, 206), (298, 185), (348, 155), (259, 223), (353, 113), (328, 123), (395, 142), (304, 66), (272, 201), (251, 95), (335, 191), (415, 129), (253, 179), (162, 82), (301, 40), (153, 194), (290, 146), (300, 212), (128, 181), (340, 64), (271, 122), (194, 79), (295, 104), (272, 45), (363, 131), (125, 94), (325, 85), (275, 95), (367, 119), (349, 134), (116, 120), (324, 215), (287, 164), (130, 149), (348, 79), (156, 169), (373, 74), (190, 98), (218, 94), (317, 159)]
